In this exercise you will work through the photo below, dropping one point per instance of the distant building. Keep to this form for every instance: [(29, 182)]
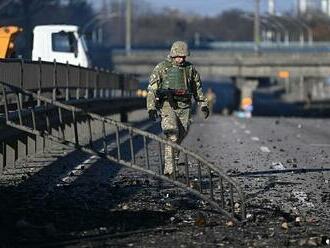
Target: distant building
[(325, 7), (271, 7), (303, 6)]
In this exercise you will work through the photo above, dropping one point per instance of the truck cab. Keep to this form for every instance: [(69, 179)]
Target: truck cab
[(61, 43)]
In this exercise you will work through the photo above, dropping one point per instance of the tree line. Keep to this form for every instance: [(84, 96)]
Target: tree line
[(105, 27)]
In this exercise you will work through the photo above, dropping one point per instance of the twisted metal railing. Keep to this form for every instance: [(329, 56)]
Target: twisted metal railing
[(140, 150)]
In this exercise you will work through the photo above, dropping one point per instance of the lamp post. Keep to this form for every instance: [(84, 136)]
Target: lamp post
[(309, 31), (277, 29), (257, 24), (297, 24), (286, 33), (267, 24), (128, 26), (100, 19)]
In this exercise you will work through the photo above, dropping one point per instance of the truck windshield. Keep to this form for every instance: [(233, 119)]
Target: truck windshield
[(64, 42)]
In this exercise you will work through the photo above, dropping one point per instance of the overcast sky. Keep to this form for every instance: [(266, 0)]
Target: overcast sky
[(211, 7)]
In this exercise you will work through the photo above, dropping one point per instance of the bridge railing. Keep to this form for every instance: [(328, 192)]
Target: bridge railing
[(90, 88), (64, 81), (128, 146)]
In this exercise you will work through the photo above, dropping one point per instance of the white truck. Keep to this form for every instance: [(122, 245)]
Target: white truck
[(61, 43)]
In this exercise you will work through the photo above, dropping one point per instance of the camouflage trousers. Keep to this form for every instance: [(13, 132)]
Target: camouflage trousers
[(175, 125)]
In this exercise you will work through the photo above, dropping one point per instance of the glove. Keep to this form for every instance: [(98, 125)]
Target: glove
[(205, 111), (153, 114)]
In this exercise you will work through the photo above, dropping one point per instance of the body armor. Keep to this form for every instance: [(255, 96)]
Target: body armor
[(175, 78)]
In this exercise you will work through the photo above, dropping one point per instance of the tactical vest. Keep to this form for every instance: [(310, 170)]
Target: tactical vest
[(175, 78)]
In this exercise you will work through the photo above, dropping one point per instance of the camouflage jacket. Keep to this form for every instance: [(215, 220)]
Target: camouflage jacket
[(193, 78)]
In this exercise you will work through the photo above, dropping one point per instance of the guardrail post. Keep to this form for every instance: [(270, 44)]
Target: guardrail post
[(96, 82), (2, 156), (39, 144), (146, 152), (31, 144), (11, 153), (121, 85), (79, 83), (101, 89), (87, 84), (123, 113), (20, 96), (54, 79), (75, 128), (107, 91), (39, 82), (67, 92), (22, 147), (68, 131)]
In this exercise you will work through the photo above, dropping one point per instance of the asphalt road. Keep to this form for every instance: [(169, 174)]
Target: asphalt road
[(282, 165)]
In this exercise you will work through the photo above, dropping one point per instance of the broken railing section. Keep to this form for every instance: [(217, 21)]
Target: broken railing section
[(127, 146)]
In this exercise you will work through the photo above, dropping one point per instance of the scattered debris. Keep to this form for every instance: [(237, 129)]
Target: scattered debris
[(264, 149), (277, 166), (285, 225), (230, 223), (200, 219)]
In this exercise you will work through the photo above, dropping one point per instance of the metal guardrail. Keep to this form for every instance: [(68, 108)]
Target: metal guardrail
[(200, 177), (241, 46), (65, 81)]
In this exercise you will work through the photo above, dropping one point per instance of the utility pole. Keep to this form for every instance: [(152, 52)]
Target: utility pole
[(128, 26), (257, 25)]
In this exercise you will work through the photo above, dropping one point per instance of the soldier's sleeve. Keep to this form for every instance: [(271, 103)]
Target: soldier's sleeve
[(154, 80), (197, 88)]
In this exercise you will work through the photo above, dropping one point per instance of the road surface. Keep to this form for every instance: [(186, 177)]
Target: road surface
[(282, 164)]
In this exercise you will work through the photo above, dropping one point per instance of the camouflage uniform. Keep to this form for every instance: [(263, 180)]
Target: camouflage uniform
[(175, 120)]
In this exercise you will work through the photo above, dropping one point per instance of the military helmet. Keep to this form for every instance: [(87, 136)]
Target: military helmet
[(179, 48)]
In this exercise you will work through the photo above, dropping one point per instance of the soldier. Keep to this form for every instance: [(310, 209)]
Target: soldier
[(211, 99), (172, 84)]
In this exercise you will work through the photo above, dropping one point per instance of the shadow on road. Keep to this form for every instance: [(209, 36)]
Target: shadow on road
[(43, 207)]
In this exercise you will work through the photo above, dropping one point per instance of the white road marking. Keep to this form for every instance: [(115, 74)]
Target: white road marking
[(77, 170), (264, 149), (255, 138)]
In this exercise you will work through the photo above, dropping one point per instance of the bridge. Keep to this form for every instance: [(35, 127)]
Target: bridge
[(215, 64), (301, 72), (46, 106), (51, 103)]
